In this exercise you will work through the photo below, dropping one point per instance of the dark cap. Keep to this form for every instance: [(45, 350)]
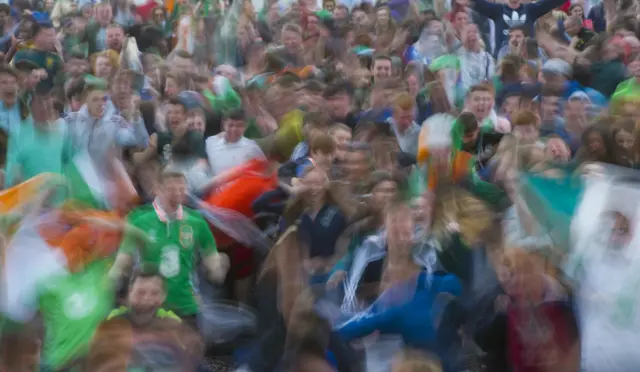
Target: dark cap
[(25, 65)]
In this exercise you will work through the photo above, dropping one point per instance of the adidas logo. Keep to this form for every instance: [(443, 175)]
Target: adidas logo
[(514, 21)]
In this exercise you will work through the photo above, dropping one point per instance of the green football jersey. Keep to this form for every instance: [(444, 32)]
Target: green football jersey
[(73, 306), (172, 246)]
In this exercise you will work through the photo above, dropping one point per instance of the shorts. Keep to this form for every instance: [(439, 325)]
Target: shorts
[(242, 261)]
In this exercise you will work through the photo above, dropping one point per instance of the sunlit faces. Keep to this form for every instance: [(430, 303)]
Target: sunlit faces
[(115, 37)]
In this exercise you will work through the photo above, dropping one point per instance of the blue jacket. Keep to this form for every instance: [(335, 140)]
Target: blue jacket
[(415, 320), (505, 18)]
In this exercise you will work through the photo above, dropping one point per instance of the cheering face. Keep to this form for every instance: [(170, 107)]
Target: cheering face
[(383, 17), (292, 41), (316, 181), (174, 190), (115, 37), (176, 118), (516, 38), (480, 104), (147, 295)]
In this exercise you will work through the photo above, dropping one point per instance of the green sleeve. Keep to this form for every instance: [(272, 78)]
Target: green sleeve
[(252, 131), (131, 240), (205, 238)]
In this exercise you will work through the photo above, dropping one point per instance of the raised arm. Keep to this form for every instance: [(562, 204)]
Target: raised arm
[(487, 9), (542, 7)]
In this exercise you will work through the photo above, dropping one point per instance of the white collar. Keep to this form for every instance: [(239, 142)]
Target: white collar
[(163, 216)]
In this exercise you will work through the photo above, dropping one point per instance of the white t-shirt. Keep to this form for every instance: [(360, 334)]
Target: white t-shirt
[(223, 155)]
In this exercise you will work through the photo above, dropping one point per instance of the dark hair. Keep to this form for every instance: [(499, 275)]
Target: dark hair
[(147, 271), (76, 88), (550, 92), (237, 114), (519, 28), (340, 87), (177, 102), (469, 122)]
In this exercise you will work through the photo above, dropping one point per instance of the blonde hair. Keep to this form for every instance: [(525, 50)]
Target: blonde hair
[(411, 360)]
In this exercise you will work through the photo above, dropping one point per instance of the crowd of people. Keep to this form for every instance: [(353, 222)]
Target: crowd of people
[(406, 186)]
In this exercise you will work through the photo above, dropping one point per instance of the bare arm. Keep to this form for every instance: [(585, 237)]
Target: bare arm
[(122, 264)]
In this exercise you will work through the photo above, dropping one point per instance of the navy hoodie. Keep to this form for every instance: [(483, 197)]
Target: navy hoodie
[(505, 18)]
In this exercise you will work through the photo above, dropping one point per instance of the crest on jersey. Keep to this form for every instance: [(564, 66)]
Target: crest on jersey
[(186, 236)]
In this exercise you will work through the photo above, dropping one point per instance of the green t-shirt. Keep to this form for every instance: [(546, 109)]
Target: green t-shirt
[(40, 149), (73, 306), (172, 246)]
